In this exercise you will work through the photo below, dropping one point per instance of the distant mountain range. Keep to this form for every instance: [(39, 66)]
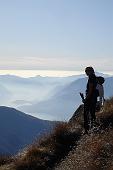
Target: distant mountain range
[(52, 98), (17, 129), (62, 105), (30, 90)]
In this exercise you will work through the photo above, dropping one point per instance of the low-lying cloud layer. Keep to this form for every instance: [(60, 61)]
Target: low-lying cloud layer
[(55, 63)]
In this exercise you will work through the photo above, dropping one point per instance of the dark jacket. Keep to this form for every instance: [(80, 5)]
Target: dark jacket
[(92, 80)]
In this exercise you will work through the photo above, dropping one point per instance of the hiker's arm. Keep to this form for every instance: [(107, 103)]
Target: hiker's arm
[(91, 89)]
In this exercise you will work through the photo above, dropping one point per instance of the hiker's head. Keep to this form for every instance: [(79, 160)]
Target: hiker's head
[(89, 71)]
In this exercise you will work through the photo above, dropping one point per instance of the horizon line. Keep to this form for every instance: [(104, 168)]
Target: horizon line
[(47, 73)]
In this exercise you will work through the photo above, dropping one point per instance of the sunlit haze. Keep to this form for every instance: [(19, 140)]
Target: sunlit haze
[(43, 73)]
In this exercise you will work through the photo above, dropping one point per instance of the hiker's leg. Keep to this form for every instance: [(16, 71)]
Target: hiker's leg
[(92, 111), (86, 116)]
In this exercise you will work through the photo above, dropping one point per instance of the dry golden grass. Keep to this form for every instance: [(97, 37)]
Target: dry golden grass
[(49, 150), (4, 159), (94, 151)]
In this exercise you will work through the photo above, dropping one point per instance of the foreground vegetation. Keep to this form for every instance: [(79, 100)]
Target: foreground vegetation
[(66, 148)]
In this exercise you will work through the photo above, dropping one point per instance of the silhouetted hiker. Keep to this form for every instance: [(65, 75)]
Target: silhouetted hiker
[(91, 99)]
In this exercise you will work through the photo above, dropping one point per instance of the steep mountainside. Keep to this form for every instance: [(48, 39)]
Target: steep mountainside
[(95, 150), (18, 129)]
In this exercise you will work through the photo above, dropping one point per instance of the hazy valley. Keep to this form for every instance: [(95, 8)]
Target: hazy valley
[(52, 98)]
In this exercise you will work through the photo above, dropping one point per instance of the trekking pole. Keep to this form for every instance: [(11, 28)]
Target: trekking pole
[(82, 96)]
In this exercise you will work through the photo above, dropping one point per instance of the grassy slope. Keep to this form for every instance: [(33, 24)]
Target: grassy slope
[(67, 149), (94, 151)]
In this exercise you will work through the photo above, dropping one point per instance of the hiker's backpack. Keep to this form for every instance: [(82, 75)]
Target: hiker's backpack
[(100, 92), (100, 80), (99, 88)]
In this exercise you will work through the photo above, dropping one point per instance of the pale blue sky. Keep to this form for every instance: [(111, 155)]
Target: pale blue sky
[(56, 34)]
